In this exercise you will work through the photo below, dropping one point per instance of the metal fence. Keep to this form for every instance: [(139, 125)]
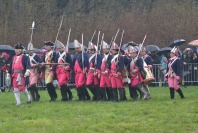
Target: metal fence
[(190, 76)]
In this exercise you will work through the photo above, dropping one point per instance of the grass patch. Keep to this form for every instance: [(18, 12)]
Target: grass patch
[(160, 114)]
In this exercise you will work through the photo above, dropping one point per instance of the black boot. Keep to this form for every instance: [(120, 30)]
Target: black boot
[(64, 93), (97, 92), (134, 91), (79, 93), (115, 95), (138, 88), (172, 93), (180, 93), (121, 94), (31, 88), (130, 91), (124, 94), (53, 92), (37, 94), (69, 93), (92, 90), (103, 94), (49, 90), (85, 94)]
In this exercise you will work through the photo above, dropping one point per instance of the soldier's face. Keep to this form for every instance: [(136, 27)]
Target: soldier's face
[(78, 49), (133, 55), (18, 51), (61, 49), (105, 51), (143, 53), (48, 48), (171, 54), (31, 52)]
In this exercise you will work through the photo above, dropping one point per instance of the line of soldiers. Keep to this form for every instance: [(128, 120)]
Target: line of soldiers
[(103, 74)]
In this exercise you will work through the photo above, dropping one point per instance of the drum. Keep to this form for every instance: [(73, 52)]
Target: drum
[(149, 78)]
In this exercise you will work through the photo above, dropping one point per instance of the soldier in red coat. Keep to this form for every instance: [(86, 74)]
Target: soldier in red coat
[(18, 70), (34, 74), (136, 65), (81, 66), (63, 71), (105, 82), (117, 81), (94, 71)]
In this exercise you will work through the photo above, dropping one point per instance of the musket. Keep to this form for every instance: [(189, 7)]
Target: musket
[(53, 63), (120, 46), (95, 62), (67, 45), (58, 32), (82, 48), (113, 40), (101, 44), (93, 36), (30, 43), (141, 45)]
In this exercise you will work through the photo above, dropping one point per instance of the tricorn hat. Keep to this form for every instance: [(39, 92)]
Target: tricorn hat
[(132, 49), (48, 43), (19, 46)]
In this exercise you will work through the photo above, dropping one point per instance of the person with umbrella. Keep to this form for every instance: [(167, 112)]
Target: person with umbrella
[(18, 70), (174, 73)]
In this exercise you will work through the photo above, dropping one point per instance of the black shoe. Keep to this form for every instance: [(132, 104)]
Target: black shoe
[(53, 100), (38, 98), (70, 97), (28, 102), (64, 100)]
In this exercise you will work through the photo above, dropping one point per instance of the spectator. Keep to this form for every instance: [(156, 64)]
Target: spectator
[(194, 69), (163, 72)]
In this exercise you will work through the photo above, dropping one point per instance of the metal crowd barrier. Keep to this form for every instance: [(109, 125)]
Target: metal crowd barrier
[(190, 76)]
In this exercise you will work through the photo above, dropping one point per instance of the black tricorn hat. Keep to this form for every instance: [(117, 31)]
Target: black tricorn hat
[(19, 46), (132, 43), (48, 43)]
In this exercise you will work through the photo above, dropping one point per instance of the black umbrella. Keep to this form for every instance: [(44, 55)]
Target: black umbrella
[(152, 48), (164, 51), (6, 48), (177, 43)]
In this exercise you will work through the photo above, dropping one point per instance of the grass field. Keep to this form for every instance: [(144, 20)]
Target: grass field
[(160, 114)]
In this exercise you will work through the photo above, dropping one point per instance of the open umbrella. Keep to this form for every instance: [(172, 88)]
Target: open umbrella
[(164, 51), (194, 43), (6, 48), (152, 48), (177, 43)]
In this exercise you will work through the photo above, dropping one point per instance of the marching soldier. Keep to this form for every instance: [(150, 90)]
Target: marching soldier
[(105, 82), (49, 72), (135, 67), (174, 73), (81, 65), (35, 60), (94, 71), (63, 71), (117, 65), (18, 70), (149, 63)]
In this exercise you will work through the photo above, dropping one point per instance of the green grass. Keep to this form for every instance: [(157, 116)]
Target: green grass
[(158, 115)]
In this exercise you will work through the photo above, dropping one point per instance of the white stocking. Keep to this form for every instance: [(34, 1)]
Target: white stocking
[(17, 96)]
